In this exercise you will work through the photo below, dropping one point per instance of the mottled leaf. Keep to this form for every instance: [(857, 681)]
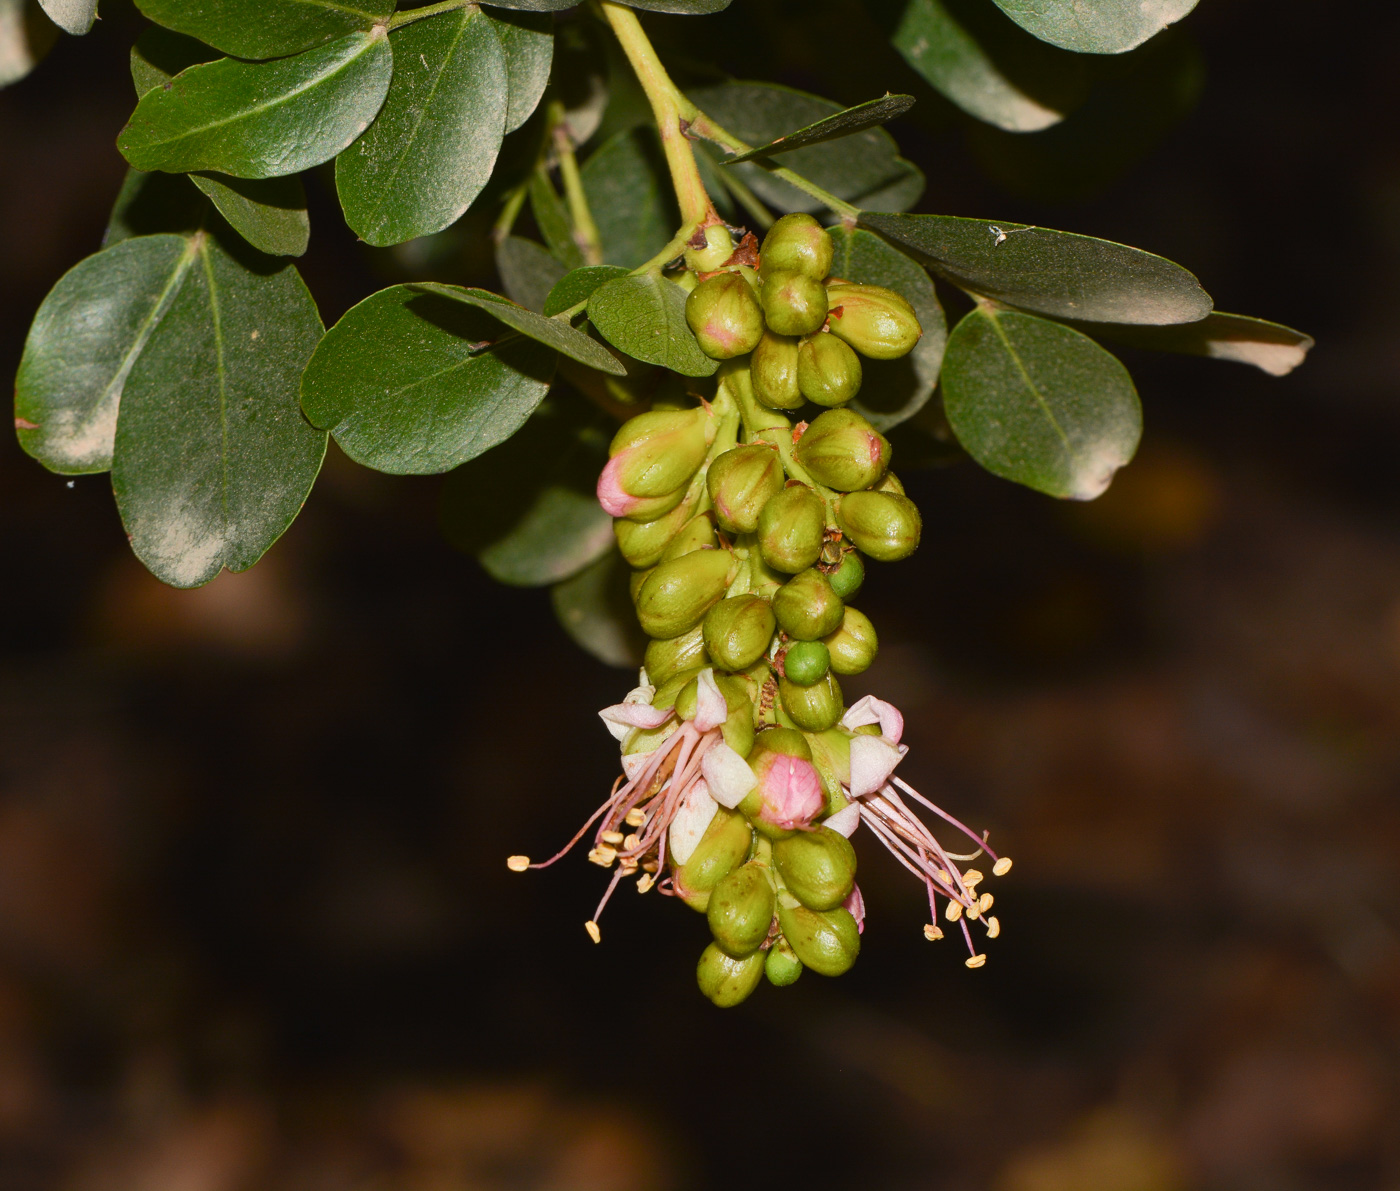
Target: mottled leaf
[(1095, 26), (644, 316), (845, 123), (630, 197), (595, 610), (528, 271), (267, 28)]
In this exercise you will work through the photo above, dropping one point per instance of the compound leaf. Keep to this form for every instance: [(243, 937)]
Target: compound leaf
[(644, 316), (578, 285), (267, 28)]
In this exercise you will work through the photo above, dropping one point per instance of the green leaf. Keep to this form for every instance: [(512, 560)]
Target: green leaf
[(86, 337), (152, 204), (690, 8), (553, 220), (1271, 347), (25, 37), (870, 114), (535, 5), (435, 142), (262, 119), (527, 41), (528, 271), (644, 316), (595, 610), (1039, 403), (894, 390), (578, 285), (1103, 27), (974, 56), (270, 213), (267, 28), (629, 194), (213, 459), (72, 16), (527, 509), (552, 332), (413, 383), (864, 169), (160, 54), (1056, 273)]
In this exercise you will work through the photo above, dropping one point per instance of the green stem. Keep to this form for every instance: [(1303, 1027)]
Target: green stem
[(747, 199), (400, 19), (666, 255), (510, 212), (586, 234)]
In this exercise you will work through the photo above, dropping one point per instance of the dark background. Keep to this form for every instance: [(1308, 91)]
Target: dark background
[(255, 926)]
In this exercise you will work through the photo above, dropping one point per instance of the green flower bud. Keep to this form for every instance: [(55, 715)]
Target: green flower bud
[(668, 692), (843, 451), (737, 631), (806, 662), (697, 534), (725, 316), (655, 453), (645, 509), (831, 754), (719, 247), (642, 542), (825, 941), (853, 646), (846, 579), (741, 909), (877, 322), (677, 594), (884, 525), (791, 529), (635, 581), (724, 846), (828, 372), (734, 690), (725, 980), (793, 303), (738, 729), (784, 742), (806, 607), (665, 659), (782, 967), (818, 867), (890, 484), (773, 367), (800, 243), (741, 481), (812, 708)]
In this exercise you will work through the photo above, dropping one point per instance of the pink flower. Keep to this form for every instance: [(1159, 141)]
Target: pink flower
[(789, 790)]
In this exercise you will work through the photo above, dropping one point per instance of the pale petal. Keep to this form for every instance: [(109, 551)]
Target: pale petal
[(873, 759), (643, 692), (855, 903), (615, 501), (728, 775), (621, 718), (871, 710), (845, 821), (710, 708), (696, 810), (633, 764)]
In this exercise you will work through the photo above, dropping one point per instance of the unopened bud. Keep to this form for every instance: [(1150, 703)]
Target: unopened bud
[(847, 578), (725, 316), (884, 525), (737, 631), (826, 941), (788, 795), (724, 846), (725, 980), (642, 542), (876, 321), (853, 646), (828, 371), (818, 867), (773, 367), (741, 909), (806, 607), (793, 303), (812, 708), (806, 662), (665, 659), (635, 581), (800, 243), (782, 967), (741, 481), (697, 534), (677, 594), (843, 451), (791, 529), (732, 688), (652, 455), (719, 247)]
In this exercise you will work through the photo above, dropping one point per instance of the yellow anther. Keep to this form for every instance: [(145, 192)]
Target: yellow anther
[(603, 856), (645, 882), (993, 927), (932, 933), (636, 817), (631, 841), (945, 876), (984, 903), (976, 961), (651, 866), (954, 911), (971, 877), (972, 912), (1002, 866), (612, 837), (593, 932), (517, 864)]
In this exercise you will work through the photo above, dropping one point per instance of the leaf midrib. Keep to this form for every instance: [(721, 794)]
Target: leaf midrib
[(216, 323), (991, 317)]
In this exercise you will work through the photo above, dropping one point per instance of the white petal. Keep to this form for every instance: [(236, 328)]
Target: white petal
[(871, 710), (621, 718), (634, 763), (728, 775), (696, 810), (643, 692), (710, 708), (642, 679), (873, 759), (845, 821)]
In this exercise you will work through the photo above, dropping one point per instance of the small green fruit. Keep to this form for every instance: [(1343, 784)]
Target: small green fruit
[(724, 846), (741, 909), (884, 525), (773, 368), (876, 321), (843, 451), (812, 708), (806, 607), (854, 645), (725, 980), (677, 594), (725, 316), (847, 579), (793, 303), (828, 371), (806, 662), (791, 529), (737, 631), (741, 481), (828, 941), (665, 659), (800, 243), (818, 867), (782, 967), (718, 248)]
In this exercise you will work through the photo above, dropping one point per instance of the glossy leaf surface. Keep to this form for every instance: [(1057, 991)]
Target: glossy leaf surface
[(213, 459), (578, 285), (160, 54), (262, 119), (528, 271), (629, 195), (644, 316), (1270, 347), (1039, 403), (413, 383), (974, 56), (1097, 27), (435, 141), (1056, 273), (270, 213), (870, 114), (595, 610), (72, 16), (266, 28), (527, 41)]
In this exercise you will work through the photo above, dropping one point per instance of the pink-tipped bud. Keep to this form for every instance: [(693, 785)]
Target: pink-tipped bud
[(788, 796), (653, 457)]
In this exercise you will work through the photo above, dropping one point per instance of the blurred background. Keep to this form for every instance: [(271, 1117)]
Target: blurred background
[(256, 929)]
